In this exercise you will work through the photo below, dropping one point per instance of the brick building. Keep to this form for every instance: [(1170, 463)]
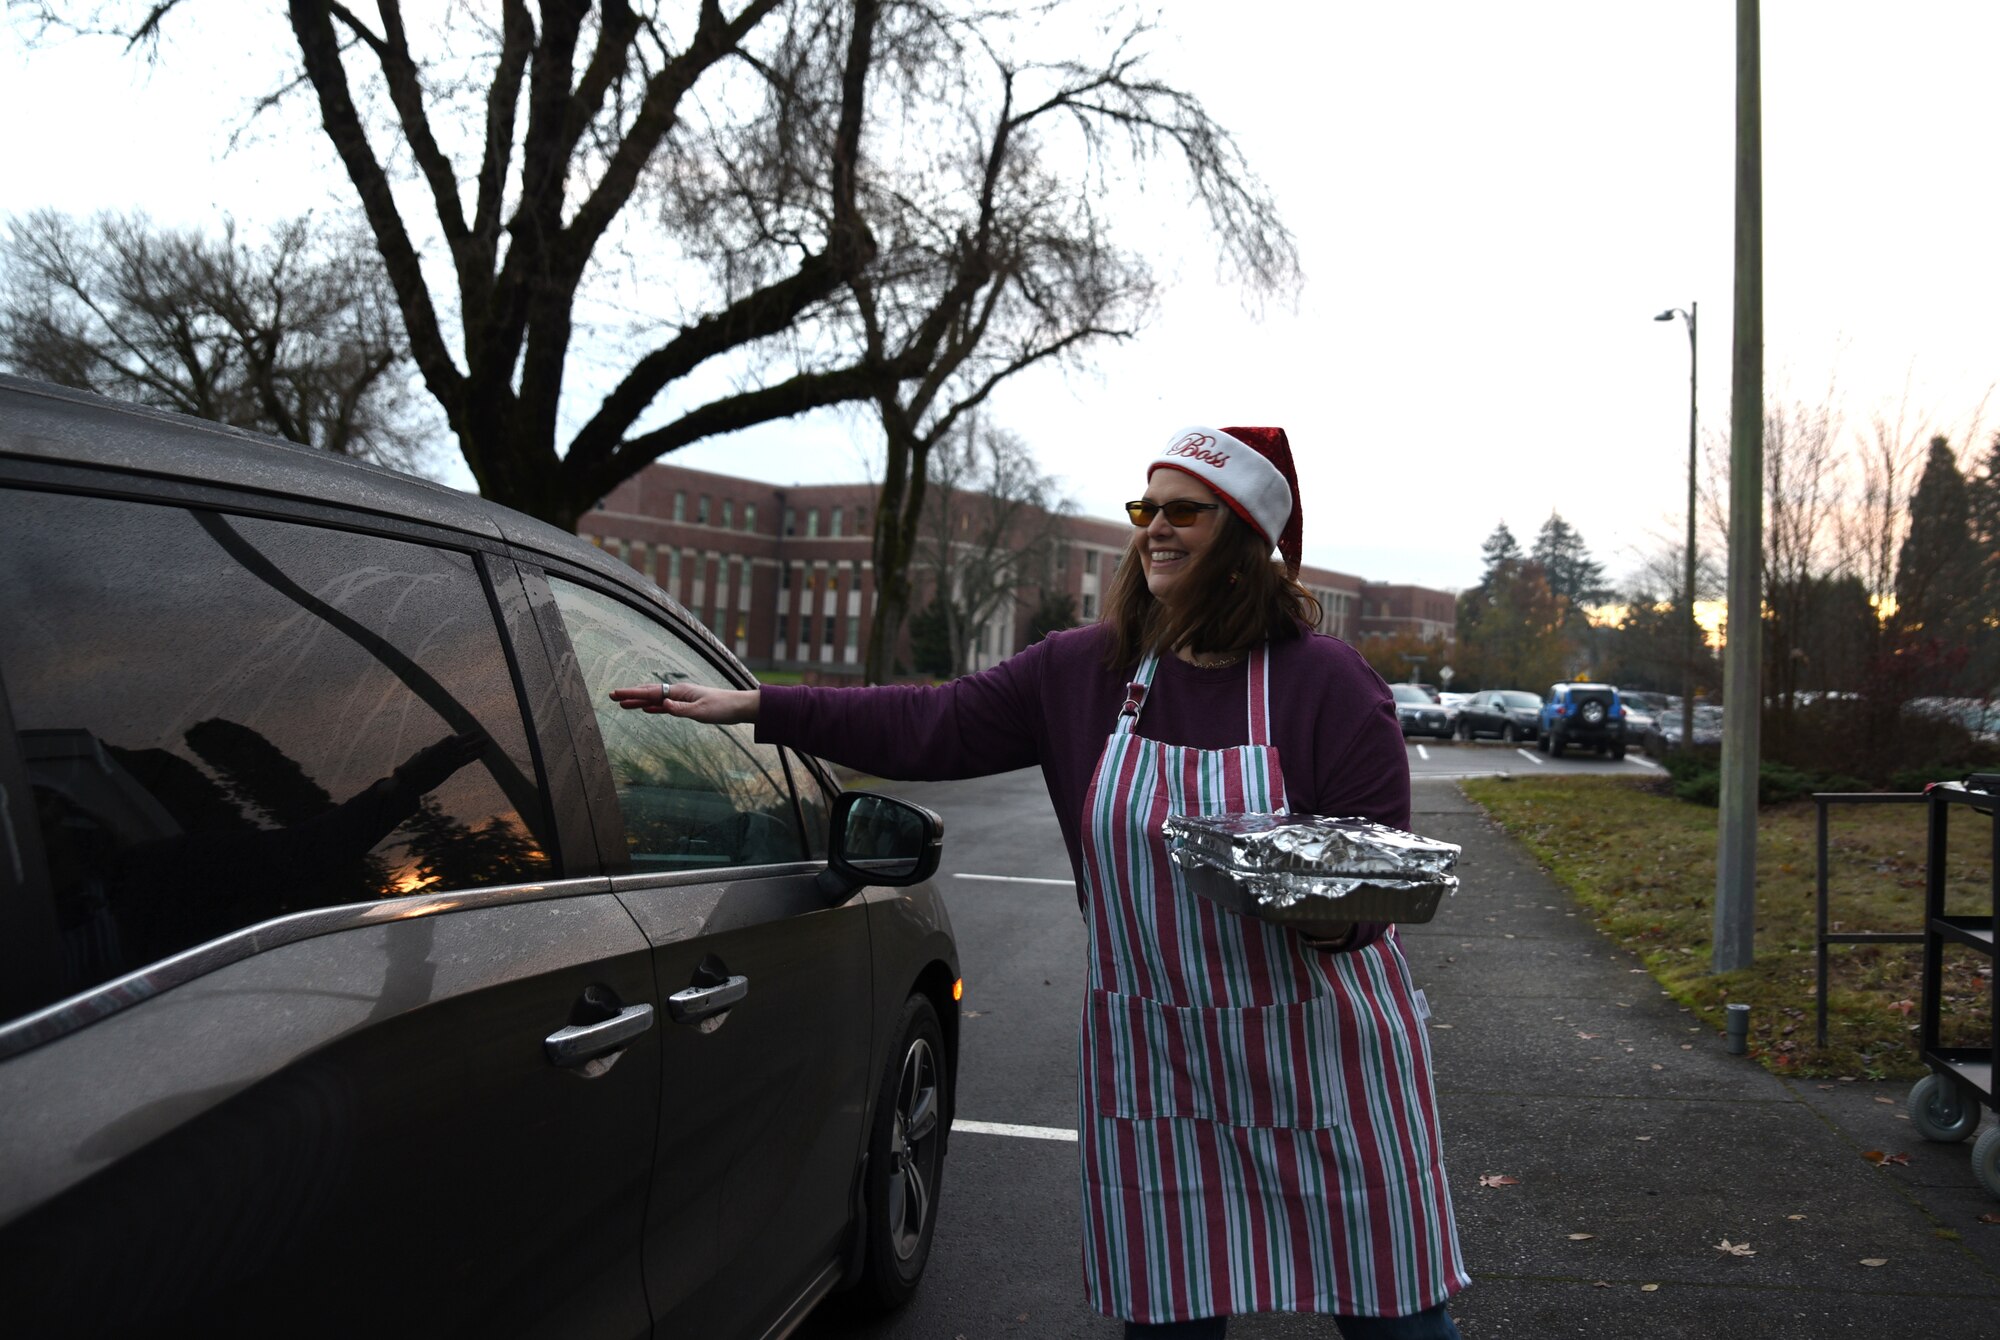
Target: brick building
[(784, 575)]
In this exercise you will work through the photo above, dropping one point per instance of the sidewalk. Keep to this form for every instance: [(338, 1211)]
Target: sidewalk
[(1562, 1064)]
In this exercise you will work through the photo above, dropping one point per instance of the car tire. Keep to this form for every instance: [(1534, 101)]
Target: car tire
[(1512, 734), (905, 1160), (1618, 751), (1542, 743), (1591, 714), (1557, 744)]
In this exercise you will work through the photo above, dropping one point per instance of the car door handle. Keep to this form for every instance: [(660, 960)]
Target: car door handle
[(579, 1043), (702, 1002)]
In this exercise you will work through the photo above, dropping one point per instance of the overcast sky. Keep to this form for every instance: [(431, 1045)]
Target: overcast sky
[(1492, 200)]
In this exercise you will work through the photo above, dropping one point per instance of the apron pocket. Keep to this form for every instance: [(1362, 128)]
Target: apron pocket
[(1271, 1065)]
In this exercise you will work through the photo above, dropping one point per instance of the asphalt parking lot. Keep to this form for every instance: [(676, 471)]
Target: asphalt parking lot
[(1446, 760)]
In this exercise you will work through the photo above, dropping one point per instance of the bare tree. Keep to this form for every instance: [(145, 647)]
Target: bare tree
[(296, 335), (1802, 502), (982, 187), (991, 519), (527, 139)]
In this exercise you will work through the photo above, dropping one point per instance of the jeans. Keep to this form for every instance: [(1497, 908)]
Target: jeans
[(1435, 1324)]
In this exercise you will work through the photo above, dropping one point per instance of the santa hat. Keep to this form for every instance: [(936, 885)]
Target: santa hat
[(1251, 470)]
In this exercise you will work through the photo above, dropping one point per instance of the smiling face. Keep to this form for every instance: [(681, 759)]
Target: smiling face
[(1169, 551)]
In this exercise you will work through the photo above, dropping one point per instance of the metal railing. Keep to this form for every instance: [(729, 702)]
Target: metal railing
[(1822, 802)]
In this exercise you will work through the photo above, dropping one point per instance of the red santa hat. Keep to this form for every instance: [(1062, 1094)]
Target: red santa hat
[(1251, 470)]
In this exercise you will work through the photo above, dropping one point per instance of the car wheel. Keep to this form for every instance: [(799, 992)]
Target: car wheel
[(906, 1159), (1592, 714), (1513, 733), (1618, 751), (1542, 743), (1557, 744)]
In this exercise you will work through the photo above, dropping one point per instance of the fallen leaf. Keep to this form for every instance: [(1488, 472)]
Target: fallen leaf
[(1687, 1046), (1658, 1066), (1875, 1261), (1735, 1248), (1899, 1160), (1498, 1179), (1794, 1216), (1589, 1036), (1649, 1288), (1601, 1284), (1581, 1237), (1890, 1101), (1824, 1086), (1642, 1137), (1873, 1155), (1989, 1218)]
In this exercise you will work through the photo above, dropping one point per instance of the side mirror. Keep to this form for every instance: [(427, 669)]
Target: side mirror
[(880, 840)]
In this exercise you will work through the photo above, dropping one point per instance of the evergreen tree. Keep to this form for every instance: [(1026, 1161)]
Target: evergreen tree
[(1501, 552), (1936, 571), (1983, 509), (1572, 573)]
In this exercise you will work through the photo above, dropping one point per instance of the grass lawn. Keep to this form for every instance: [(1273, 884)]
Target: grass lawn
[(1644, 864)]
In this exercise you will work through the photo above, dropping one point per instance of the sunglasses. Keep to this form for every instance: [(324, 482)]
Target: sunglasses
[(1180, 513)]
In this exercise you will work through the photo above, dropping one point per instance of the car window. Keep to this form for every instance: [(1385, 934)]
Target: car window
[(1409, 693), (814, 806), (692, 796), (1518, 699), (227, 719)]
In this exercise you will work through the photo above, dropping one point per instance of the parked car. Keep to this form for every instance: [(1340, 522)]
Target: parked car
[(1647, 701), (1511, 714), (368, 971), (1665, 734), (1980, 717), (1582, 715), (1417, 714)]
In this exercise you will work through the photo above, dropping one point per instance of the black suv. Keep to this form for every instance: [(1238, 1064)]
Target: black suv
[(1588, 716), (364, 970)]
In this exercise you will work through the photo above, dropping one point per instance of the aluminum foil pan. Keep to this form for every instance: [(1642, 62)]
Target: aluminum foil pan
[(1313, 874)]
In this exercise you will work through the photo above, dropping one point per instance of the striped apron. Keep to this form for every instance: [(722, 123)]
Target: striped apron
[(1258, 1129)]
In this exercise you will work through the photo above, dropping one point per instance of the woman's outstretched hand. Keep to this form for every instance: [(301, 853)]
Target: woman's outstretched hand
[(695, 702)]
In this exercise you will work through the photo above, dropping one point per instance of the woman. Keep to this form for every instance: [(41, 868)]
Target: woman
[(1258, 1129)]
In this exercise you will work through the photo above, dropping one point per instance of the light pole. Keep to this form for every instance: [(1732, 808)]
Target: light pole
[(1690, 641)]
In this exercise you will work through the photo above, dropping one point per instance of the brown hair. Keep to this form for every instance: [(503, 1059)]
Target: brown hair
[(1236, 598)]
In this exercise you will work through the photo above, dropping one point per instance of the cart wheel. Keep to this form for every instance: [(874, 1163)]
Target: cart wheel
[(1986, 1159), (1942, 1109)]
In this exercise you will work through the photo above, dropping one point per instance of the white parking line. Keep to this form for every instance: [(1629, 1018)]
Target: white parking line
[(1423, 753), (1019, 879), (1018, 1132), (1533, 757), (1644, 763)]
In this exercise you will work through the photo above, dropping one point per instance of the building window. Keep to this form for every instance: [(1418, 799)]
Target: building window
[(834, 529), (680, 506), (1089, 606), (784, 627), (750, 516), (728, 515), (701, 510), (812, 522), (791, 522), (853, 634)]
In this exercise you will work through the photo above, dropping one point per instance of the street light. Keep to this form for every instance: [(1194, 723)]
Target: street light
[(1688, 646)]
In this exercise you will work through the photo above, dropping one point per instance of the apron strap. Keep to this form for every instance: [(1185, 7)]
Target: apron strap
[(1260, 697), (1135, 694)]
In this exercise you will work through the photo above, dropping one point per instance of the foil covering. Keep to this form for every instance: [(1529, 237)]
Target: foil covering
[(1307, 871)]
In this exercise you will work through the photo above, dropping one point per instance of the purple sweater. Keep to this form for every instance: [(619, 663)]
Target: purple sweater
[(1333, 723)]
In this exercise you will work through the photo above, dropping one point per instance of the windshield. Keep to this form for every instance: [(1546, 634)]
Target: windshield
[(1516, 698), (1409, 693)]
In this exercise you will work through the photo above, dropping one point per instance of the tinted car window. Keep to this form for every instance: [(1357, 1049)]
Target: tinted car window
[(692, 796), (814, 805), (1409, 693), (226, 719)]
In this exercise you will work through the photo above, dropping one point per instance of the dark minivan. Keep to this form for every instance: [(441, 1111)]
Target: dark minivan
[(366, 971)]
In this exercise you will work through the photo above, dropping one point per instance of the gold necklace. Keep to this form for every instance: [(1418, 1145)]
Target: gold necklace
[(1219, 662)]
